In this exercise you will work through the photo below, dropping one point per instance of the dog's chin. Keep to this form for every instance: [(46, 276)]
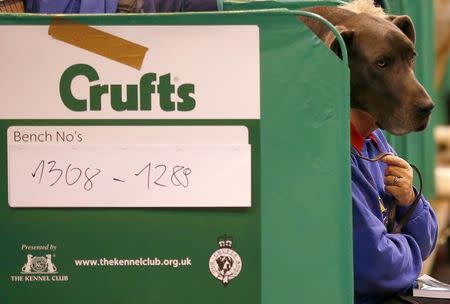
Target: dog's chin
[(422, 126), (399, 131), (421, 123), (394, 130)]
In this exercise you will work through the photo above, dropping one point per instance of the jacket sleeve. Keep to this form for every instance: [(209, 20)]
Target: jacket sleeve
[(422, 226), (386, 262)]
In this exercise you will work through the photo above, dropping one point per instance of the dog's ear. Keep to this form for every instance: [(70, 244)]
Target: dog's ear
[(405, 24), (332, 43)]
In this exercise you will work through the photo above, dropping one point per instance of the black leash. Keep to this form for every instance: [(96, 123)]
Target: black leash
[(392, 212)]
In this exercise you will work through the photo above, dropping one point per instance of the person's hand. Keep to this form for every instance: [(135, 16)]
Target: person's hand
[(398, 178)]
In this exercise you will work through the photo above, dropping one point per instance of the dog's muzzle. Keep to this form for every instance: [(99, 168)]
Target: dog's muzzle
[(425, 111), (423, 116)]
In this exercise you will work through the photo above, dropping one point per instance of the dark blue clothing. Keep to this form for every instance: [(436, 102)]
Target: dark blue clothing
[(110, 6), (180, 5), (71, 6), (384, 263)]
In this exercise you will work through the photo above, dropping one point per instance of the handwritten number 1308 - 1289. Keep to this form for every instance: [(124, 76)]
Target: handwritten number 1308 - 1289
[(159, 175)]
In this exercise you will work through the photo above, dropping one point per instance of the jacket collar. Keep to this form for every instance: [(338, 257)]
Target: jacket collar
[(357, 140)]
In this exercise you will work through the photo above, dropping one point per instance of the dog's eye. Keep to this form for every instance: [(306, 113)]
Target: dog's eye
[(382, 63)]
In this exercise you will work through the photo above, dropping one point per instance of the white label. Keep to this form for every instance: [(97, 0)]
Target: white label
[(221, 62), (147, 166)]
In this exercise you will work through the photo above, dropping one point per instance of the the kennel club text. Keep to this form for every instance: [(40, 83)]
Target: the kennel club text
[(39, 278), (40, 264)]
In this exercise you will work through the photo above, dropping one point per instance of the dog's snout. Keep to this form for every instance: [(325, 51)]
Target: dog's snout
[(425, 110)]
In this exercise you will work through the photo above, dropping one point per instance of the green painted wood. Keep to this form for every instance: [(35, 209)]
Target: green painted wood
[(321, 118), (306, 218), (269, 4)]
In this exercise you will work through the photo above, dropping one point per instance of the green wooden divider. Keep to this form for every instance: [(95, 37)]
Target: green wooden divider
[(279, 281), (270, 4), (296, 264), (295, 241)]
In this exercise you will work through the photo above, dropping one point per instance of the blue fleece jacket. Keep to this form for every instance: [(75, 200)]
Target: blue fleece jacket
[(110, 6), (384, 263)]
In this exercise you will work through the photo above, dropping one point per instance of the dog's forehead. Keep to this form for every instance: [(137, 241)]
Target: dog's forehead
[(375, 33), (374, 27)]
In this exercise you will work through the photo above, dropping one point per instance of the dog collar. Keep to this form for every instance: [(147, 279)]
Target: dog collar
[(357, 140)]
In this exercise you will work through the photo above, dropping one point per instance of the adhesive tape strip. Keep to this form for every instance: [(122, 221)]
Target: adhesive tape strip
[(98, 42)]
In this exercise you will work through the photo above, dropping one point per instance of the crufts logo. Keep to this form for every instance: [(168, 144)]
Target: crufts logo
[(225, 264), (151, 89), (39, 265)]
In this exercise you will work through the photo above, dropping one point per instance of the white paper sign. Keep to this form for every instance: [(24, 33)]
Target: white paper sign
[(145, 166), (219, 64)]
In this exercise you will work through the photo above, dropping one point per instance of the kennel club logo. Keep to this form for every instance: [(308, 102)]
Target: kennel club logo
[(39, 265), (225, 264)]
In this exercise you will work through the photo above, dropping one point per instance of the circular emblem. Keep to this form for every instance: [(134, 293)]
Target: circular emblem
[(225, 264), (39, 264)]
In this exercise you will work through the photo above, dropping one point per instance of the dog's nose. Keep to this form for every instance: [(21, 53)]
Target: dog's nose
[(425, 110)]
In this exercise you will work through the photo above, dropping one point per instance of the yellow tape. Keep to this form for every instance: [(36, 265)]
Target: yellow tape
[(98, 42)]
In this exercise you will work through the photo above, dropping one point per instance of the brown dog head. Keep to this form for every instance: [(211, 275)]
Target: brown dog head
[(382, 60)]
